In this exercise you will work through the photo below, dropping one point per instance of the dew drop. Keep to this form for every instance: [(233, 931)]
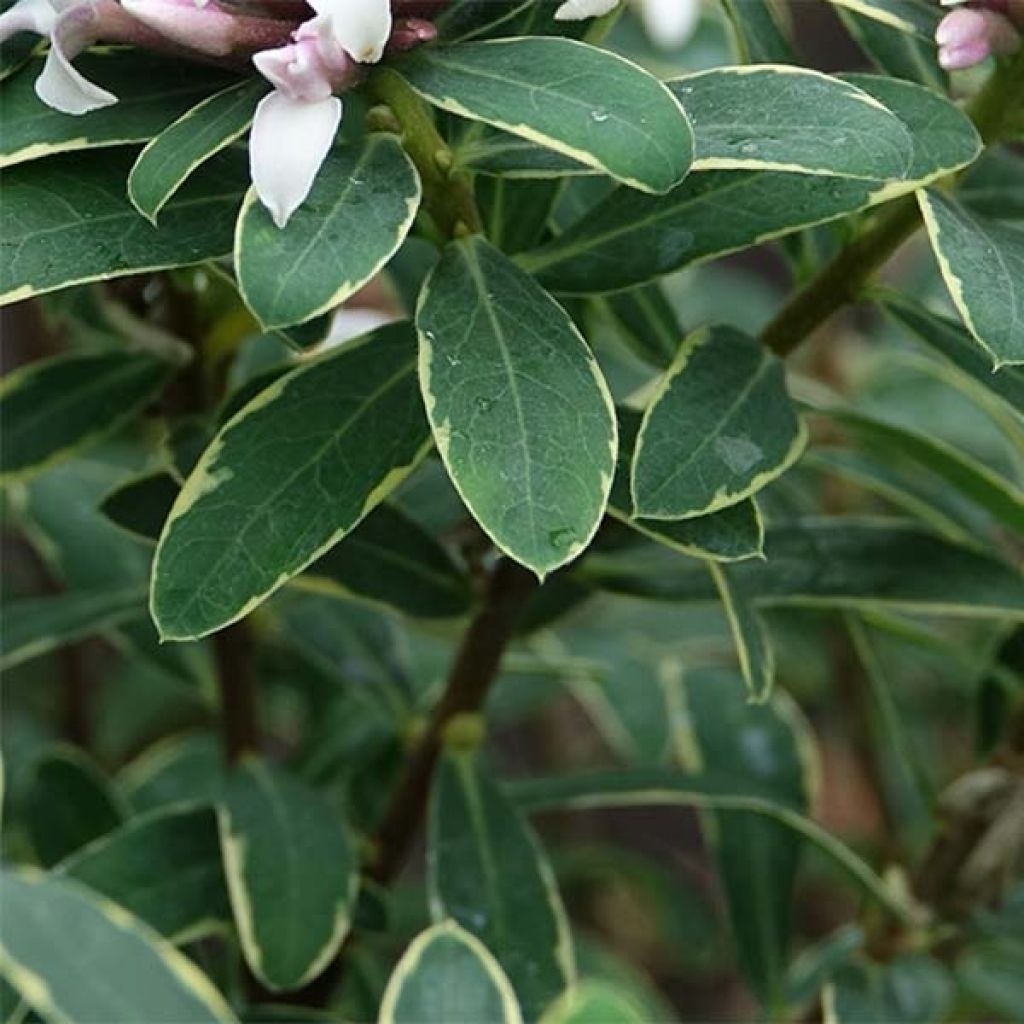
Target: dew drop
[(599, 115), (561, 538)]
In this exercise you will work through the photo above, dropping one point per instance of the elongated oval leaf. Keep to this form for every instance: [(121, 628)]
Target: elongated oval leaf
[(487, 871), (982, 262), (163, 867), (354, 220), (637, 787), (36, 625), (588, 104), (67, 220), (292, 874), (390, 558), (754, 648), (69, 804), (768, 748), (720, 427), (842, 562), (165, 163), (953, 342), (141, 505), (54, 407), (791, 119), (73, 955), (628, 238), (759, 37), (519, 409), (730, 535), (152, 91), (447, 975), (595, 1002), (286, 478)]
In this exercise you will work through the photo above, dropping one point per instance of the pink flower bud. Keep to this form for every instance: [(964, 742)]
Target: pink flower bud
[(206, 27), (409, 33), (969, 35)]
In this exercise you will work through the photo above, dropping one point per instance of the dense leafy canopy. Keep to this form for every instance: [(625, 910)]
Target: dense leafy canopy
[(404, 445)]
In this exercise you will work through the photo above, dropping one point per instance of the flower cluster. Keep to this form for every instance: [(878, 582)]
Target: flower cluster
[(309, 61), (977, 30)]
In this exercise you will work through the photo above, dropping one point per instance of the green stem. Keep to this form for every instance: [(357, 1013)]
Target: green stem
[(447, 193), (844, 279)]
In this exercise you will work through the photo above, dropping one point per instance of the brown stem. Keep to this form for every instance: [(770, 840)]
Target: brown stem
[(474, 670), (232, 649)]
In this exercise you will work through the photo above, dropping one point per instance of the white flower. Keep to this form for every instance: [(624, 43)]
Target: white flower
[(669, 22), (71, 28), (295, 125)]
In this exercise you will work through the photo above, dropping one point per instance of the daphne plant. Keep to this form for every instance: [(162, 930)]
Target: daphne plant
[(429, 416)]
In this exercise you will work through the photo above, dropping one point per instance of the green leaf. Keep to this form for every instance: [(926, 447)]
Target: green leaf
[(291, 871), (168, 160), (974, 480), (69, 803), (628, 238), (994, 186), (67, 220), (37, 625), (719, 428), (595, 1002), (287, 478), (176, 769), (909, 989), (447, 975), (74, 956), (754, 647), (486, 870), (914, 17), (791, 119), (520, 412), (982, 262), (759, 38), (769, 749), (164, 868), (732, 534), (152, 91), (492, 152), (640, 787), (920, 495), (141, 505), (573, 98), (354, 220), (390, 558), (54, 407), (646, 322), (842, 562), (955, 344)]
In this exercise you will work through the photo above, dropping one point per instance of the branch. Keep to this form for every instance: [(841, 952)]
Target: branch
[(474, 670)]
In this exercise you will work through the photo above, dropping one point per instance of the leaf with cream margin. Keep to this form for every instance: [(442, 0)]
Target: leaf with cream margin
[(719, 428), (573, 98), (332, 438), (982, 263), (353, 221), (447, 976), (75, 956), (520, 411), (487, 870), (292, 873)]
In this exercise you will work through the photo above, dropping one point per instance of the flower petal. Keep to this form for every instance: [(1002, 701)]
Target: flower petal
[(670, 23), (35, 16), (577, 10), (361, 27), (59, 85), (289, 141)]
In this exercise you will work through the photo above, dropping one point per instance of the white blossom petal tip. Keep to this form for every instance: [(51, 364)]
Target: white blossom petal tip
[(289, 142)]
